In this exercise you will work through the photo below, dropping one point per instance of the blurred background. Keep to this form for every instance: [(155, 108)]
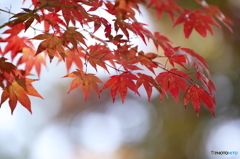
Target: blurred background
[(63, 126)]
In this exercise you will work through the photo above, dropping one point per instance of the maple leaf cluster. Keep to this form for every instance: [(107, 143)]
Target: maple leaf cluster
[(69, 25)]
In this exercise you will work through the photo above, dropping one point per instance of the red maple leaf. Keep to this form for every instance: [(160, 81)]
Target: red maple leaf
[(97, 22), (75, 12), (167, 6), (53, 20), (98, 55), (126, 57), (213, 10), (15, 45), (207, 82), (146, 60), (196, 20), (121, 83), (174, 57), (14, 29), (139, 30), (94, 5), (198, 94), (148, 82), (124, 9), (160, 40), (173, 81), (193, 59), (124, 26)]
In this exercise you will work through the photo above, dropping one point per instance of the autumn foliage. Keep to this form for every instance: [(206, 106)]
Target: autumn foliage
[(70, 32)]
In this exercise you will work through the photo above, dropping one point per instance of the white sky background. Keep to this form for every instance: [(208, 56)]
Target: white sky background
[(224, 135), (95, 132)]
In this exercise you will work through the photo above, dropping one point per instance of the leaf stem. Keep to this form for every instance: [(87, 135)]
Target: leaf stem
[(23, 16)]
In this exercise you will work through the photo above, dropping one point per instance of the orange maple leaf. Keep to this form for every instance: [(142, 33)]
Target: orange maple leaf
[(86, 81), (8, 71), (31, 60), (73, 36), (17, 91), (52, 44), (73, 56)]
